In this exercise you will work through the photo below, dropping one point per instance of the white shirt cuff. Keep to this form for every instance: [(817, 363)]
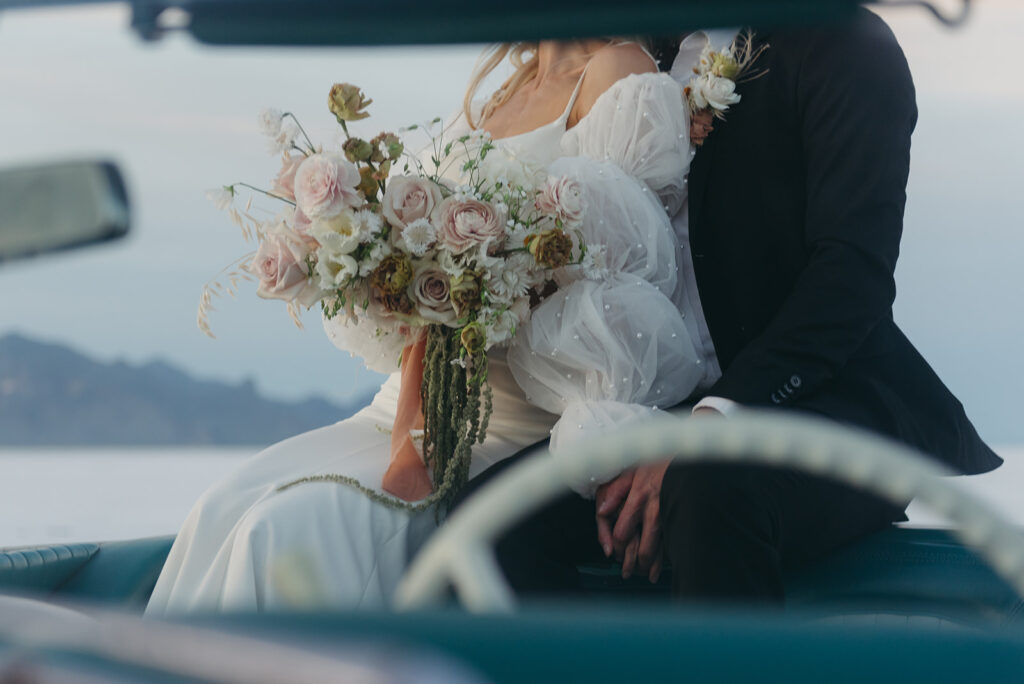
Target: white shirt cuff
[(726, 407)]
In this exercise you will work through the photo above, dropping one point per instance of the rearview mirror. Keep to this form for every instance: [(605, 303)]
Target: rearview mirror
[(59, 206)]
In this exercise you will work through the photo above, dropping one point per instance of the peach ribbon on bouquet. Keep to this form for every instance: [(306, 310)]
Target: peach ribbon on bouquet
[(406, 476)]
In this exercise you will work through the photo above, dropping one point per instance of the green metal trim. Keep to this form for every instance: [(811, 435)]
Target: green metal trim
[(262, 22)]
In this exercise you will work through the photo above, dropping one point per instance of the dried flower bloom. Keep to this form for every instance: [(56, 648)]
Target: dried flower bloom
[(347, 102), (465, 292), (393, 275), (551, 249), (473, 338)]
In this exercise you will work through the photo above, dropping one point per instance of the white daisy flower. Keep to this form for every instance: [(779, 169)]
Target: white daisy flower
[(367, 224), (270, 122), (419, 236)]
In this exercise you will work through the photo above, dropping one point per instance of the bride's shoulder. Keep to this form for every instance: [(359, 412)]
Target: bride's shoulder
[(608, 66)]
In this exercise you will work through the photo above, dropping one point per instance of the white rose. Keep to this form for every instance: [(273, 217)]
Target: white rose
[(718, 93)]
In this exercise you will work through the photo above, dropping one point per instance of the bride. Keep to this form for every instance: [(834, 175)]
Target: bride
[(611, 345)]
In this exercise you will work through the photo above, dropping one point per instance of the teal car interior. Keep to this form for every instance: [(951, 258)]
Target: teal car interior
[(908, 604)]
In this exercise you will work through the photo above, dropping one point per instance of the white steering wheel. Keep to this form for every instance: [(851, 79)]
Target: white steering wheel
[(460, 553)]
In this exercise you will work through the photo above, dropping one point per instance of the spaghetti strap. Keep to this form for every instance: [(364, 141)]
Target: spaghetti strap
[(579, 83), (575, 94)]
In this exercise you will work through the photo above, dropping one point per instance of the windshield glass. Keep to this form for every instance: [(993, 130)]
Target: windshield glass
[(181, 118)]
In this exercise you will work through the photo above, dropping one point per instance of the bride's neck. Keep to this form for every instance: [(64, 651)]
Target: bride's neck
[(556, 58)]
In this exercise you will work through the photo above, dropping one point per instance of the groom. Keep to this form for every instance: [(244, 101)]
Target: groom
[(790, 238)]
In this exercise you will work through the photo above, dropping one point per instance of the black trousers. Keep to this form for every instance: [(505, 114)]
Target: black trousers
[(731, 531)]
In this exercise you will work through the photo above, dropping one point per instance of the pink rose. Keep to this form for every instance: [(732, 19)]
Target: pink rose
[(563, 198), (301, 223), (280, 265), (431, 292), (325, 184), (408, 198), (284, 184), (462, 224)]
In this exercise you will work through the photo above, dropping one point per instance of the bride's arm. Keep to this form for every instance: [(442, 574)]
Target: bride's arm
[(611, 345)]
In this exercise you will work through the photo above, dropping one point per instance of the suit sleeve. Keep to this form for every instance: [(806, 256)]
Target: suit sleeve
[(854, 101)]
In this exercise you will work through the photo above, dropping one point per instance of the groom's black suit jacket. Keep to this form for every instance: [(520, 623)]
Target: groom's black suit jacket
[(796, 211)]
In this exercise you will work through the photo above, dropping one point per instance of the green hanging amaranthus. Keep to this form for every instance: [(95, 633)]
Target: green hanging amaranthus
[(457, 404)]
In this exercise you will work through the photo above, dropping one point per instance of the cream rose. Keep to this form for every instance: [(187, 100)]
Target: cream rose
[(280, 266), (325, 184), (717, 93), (335, 270), (563, 198), (463, 224), (408, 199), (431, 292), (339, 234)]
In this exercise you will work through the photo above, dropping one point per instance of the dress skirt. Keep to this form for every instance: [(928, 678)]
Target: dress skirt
[(246, 546)]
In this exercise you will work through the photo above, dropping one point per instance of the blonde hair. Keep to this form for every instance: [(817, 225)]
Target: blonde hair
[(523, 57)]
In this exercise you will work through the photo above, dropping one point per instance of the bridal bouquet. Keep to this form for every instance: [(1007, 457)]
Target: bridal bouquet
[(404, 255)]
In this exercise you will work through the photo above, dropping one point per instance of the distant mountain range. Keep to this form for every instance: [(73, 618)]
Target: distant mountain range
[(53, 395)]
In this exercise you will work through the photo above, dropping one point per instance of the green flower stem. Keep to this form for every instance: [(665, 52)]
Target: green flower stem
[(302, 130), (268, 194)]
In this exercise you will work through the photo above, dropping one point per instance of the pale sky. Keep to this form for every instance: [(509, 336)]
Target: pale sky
[(180, 117)]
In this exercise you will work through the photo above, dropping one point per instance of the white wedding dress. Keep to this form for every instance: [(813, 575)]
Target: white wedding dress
[(598, 353)]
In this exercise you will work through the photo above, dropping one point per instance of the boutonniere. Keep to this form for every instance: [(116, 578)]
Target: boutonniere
[(712, 88)]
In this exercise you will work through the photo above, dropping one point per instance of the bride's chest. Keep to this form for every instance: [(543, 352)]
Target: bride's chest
[(530, 109)]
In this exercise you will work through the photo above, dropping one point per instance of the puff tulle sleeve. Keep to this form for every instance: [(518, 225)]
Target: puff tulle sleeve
[(610, 346), (641, 124)]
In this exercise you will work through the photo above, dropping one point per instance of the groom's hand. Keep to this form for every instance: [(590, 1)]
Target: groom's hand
[(631, 502)]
